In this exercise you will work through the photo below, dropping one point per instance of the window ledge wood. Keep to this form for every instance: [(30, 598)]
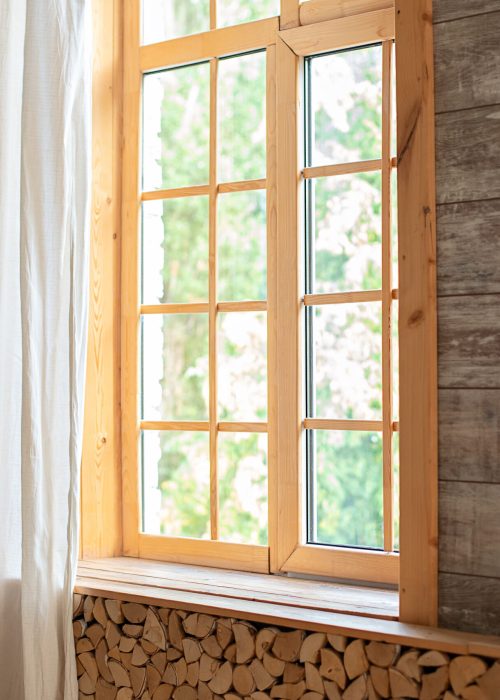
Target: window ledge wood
[(368, 613)]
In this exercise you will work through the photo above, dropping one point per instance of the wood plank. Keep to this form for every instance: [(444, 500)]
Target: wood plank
[(184, 308), (362, 166), (469, 528), (314, 11), (446, 10), (468, 62), (368, 601), (100, 533), (234, 427), (417, 311), (340, 33), (469, 342), (469, 435), (175, 193), (288, 308), (241, 306), (242, 186), (387, 369), (212, 297), (327, 424), (465, 603), (185, 550), (343, 298), (207, 45), (130, 278), (468, 153), (289, 14), (469, 248), (189, 425), (289, 616)]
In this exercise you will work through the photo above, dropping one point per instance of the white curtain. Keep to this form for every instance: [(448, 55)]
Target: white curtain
[(44, 194)]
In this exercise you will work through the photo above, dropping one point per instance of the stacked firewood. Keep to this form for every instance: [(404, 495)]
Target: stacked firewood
[(128, 650)]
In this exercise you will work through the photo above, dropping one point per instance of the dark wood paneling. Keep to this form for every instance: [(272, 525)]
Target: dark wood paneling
[(468, 603), (469, 528), (451, 9), (468, 155), (469, 248), (469, 435), (469, 341), (469, 62)]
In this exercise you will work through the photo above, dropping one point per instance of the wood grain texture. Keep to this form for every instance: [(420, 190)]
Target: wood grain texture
[(469, 248), (469, 342), (469, 528), (465, 603), (469, 62), (101, 480), (445, 10), (468, 155), (469, 435)]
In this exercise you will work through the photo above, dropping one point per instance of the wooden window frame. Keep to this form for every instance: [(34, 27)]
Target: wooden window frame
[(311, 27)]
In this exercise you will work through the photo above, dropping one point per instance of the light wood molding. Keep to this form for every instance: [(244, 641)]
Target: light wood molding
[(417, 311), (314, 11), (175, 193), (332, 424), (241, 427), (364, 166), (363, 297), (101, 522), (207, 45), (289, 14), (342, 33)]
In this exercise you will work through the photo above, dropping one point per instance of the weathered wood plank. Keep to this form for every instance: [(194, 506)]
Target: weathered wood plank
[(469, 528), (469, 247), (467, 603), (469, 341), (468, 62), (469, 435), (445, 10), (468, 155)]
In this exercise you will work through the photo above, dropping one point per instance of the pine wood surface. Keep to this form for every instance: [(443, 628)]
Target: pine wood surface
[(135, 650)]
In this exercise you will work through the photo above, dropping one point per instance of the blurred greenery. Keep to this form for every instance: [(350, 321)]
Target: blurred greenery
[(348, 465)]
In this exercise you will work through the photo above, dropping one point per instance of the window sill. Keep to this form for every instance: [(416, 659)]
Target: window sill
[(369, 613)]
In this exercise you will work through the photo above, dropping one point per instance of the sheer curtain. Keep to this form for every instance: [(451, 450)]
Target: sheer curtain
[(44, 194)]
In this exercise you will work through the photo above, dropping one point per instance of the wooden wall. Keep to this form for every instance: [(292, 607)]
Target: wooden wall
[(467, 60)]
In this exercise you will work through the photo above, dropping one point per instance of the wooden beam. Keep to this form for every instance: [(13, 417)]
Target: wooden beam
[(362, 297), (363, 166), (175, 193), (417, 311), (241, 427), (329, 424), (241, 306), (182, 308), (314, 11), (289, 14)]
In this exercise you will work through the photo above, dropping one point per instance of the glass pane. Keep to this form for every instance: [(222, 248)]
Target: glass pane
[(242, 366), (348, 244), (175, 367), (243, 488), (242, 246), (176, 483), (395, 464), (237, 11), (167, 19), (348, 488), (175, 250), (346, 106), (176, 112), (242, 117), (348, 352)]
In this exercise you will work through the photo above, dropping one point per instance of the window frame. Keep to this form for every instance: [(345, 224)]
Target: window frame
[(417, 301)]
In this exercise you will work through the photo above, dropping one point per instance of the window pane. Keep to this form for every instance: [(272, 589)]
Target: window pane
[(176, 478), (346, 106), (176, 112), (347, 233), (167, 19), (242, 117), (237, 11), (243, 488), (242, 366), (242, 246), (348, 488), (175, 250), (347, 368), (175, 367)]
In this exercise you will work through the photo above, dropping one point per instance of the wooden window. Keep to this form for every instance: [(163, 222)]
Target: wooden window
[(197, 194)]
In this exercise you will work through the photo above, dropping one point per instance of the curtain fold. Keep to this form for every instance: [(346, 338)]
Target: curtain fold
[(44, 203)]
